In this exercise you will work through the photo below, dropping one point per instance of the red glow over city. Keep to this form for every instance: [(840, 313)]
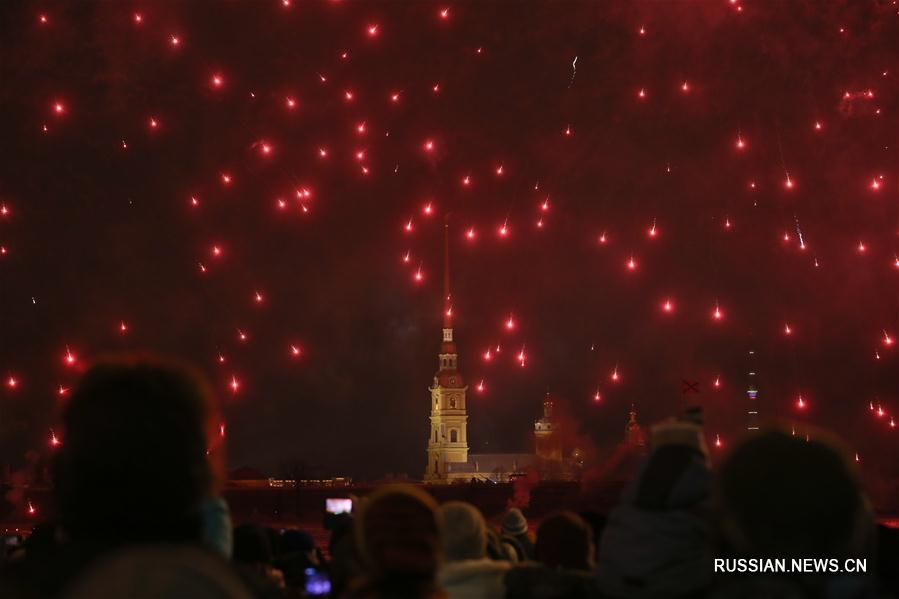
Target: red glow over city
[(292, 196)]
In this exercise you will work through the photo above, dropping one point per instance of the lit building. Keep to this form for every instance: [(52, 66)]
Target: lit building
[(633, 432), (546, 438)]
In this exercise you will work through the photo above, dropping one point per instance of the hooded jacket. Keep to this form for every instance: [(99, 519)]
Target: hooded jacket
[(473, 579), (655, 544)]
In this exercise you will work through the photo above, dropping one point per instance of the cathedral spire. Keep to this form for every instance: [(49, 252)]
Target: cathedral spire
[(448, 440), (448, 355), (447, 298)]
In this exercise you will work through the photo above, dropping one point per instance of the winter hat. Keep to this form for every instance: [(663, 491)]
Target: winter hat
[(693, 414), (464, 532), (398, 534), (679, 432), (514, 522)]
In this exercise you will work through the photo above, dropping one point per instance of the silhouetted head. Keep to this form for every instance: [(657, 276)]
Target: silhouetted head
[(252, 545), (133, 465), (514, 522), (296, 541), (781, 495), (464, 531), (398, 535), (565, 540)]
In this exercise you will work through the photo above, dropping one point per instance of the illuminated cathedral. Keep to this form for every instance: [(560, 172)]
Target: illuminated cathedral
[(448, 457)]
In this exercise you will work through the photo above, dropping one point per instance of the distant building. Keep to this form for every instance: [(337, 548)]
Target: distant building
[(448, 456), (633, 432), (547, 441)]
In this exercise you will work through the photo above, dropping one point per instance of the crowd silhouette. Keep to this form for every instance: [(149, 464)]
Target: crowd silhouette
[(138, 482)]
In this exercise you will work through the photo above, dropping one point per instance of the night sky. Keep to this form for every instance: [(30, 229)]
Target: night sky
[(742, 154)]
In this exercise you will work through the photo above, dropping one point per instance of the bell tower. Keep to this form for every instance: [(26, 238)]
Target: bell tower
[(546, 435), (633, 432), (448, 439)]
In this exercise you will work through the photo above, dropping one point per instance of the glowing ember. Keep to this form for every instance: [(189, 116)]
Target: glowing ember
[(717, 314)]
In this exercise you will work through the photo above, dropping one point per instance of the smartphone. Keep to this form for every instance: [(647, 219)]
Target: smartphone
[(338, 505), (317, 582)]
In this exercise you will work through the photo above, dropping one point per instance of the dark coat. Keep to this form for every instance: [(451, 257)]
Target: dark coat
[(656, 542), (535, 581)]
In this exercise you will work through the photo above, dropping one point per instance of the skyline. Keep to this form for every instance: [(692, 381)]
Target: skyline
[(648, 191)]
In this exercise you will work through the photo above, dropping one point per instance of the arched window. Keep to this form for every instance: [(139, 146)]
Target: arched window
[(452, 402), (454, 436), (435, 435)]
